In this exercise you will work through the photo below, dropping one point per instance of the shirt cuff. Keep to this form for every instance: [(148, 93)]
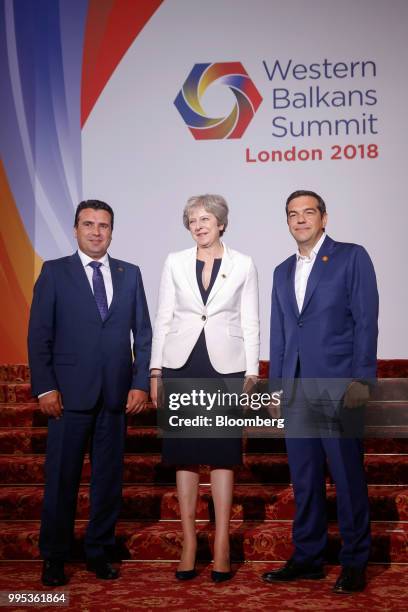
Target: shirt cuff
[(45, 393)]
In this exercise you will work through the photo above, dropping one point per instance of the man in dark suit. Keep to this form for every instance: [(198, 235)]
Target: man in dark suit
[(84, 308), (324, 338)]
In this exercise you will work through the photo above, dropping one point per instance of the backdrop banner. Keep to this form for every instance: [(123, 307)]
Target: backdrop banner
[(144, 104)]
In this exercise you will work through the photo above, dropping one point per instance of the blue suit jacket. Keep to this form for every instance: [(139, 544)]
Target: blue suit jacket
[(335, 334), (72, 350)]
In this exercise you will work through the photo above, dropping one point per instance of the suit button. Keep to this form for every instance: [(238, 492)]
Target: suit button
[(300, 323), (203, 318)]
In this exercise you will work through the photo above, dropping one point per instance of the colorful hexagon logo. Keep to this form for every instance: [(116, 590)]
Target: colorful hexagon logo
[(202, 76)]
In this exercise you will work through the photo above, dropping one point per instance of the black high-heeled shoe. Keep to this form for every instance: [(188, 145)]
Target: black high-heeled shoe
[(186, 574), (220, 576)]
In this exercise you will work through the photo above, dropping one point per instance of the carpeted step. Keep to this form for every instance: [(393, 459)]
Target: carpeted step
[(148, 469), (142, 439), (381, 417), (34, 440), (250, 540), (159, 502), (371, 445), (386, 389), (29, 415), (386, 368), (392, 368), (14, 373), (22, 415), (16, 393)]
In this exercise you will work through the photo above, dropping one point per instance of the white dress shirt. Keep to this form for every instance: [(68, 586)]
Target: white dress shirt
[(304, 265), (105, 269)]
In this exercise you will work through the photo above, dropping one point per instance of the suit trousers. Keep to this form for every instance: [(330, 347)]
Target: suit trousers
[(307, 458), (67, 442)]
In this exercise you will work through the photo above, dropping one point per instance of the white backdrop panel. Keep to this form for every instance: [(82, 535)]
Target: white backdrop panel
[(139, 155)]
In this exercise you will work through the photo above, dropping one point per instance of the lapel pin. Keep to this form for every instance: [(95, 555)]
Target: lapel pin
[(120, 269), (325, 258)]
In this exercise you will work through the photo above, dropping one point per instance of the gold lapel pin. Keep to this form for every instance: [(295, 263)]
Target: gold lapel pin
[(325, 258)]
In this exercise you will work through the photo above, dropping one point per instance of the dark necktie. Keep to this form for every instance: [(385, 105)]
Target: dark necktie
[(99, 289)]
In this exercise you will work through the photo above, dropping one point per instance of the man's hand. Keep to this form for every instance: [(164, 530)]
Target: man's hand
[(357, 395), (274, 409), (250, 383), (136, 401), (50, 404)]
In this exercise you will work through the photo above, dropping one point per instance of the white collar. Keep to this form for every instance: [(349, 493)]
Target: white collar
[(85, 259), (314, 251)]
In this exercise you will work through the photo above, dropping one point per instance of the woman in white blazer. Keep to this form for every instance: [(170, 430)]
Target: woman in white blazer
[(207, 326)]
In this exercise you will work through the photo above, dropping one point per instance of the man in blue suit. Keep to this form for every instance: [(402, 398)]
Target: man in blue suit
[(84, 309), (324, 338)]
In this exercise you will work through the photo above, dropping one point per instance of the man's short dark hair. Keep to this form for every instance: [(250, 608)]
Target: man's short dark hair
[(96, 205), (303, 192)]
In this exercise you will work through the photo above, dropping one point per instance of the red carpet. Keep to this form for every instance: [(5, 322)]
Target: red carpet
[(149, 529), (152, 586)]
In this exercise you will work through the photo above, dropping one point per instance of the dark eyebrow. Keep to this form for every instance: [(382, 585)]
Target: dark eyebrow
[(295, 212)]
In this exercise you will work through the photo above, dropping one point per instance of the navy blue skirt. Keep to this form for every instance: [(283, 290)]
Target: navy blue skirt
[(216, 452)]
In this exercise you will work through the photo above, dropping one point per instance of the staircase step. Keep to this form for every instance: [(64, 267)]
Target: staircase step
[(14, 373), (392, 368), (371, 445), (386, 368), (28, 414), (251, 502), (250, 541), (148, 469), (382, 416), (16, 393), (386, 389), (33, 440)]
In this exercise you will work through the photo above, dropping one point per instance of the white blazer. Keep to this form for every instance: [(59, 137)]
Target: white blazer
[(230, 318)]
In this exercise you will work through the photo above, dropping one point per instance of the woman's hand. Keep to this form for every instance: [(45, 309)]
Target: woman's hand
[(156, 388)]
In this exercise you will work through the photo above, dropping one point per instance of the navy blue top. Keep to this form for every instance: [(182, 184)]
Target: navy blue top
[(199, 271)]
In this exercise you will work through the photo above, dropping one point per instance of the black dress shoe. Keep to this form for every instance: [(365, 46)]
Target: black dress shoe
[(294, 571), (102, 568), (220, 576), (186, 574), (351, 580), (53, 573)]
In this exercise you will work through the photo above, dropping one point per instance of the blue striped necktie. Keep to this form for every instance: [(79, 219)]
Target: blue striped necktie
[(99, 289)]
